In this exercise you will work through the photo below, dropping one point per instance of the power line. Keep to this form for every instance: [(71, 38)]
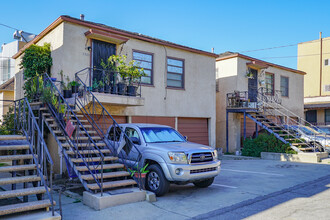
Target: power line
[(294, 56), (269, 48), (277, 47), (9, 27)]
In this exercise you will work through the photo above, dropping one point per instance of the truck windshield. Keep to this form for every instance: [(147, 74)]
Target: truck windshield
[(308, 131), (161, 135)]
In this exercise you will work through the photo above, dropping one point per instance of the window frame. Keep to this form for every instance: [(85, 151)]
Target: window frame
[(183, 73), (272, 85), (152, 65), (325, 116), (287, 96)]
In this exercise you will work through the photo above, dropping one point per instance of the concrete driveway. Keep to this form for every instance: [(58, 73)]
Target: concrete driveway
[(244, 188)]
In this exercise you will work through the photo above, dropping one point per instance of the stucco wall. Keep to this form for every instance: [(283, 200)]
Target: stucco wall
[(309, 62), (70, 54)]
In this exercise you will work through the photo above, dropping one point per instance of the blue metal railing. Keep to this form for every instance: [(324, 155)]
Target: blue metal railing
[(100, 119), (75, 141), (26, 123)]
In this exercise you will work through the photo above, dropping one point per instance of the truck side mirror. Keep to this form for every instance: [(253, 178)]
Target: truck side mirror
[(186, 138), (135, 140)]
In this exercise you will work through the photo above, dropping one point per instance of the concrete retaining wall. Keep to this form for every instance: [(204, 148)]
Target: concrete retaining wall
[(300, 157)]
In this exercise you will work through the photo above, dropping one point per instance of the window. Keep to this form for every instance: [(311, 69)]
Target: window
[(269, 84), (311, 116), (145, 61), (327, 116), (326, 62), (285, 86), (175, 73), (114, 134), (131, 132)]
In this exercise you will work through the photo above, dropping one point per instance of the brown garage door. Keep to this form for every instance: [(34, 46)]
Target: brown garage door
[(196, 129), (169, 121)]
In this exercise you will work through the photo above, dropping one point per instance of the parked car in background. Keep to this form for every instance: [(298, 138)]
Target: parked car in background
[(170, 157), (324, 129), (319, 140)]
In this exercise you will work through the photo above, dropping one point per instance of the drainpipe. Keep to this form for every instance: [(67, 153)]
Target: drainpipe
[(321, 63)]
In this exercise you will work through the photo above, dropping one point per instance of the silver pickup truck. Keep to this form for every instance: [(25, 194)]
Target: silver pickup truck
[(170, 157)]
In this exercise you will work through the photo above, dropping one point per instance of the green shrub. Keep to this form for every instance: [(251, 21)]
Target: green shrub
[(264, 143)]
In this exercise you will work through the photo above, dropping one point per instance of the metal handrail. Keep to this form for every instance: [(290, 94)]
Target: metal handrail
[(107, 115), (29, 125), (267, 108), (73, 144)]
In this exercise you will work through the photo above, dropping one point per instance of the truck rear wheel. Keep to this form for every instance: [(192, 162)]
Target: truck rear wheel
[(204, 183), (156, 181)]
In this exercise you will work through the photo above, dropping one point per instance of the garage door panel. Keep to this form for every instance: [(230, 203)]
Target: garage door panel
[(196, 129), (169, 121)]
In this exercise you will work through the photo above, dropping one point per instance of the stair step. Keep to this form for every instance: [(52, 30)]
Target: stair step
[(112, 184), (16, 157), (93, 159), (297, 144), (17, 168), (12, 137), (22, 192), (85, 126), (20, 179), (81, 138), (106, 175), (43, 109), (306, 148), (105, 166), (78, 116), (22, 207), (84, 145), (14, 147), (35, 103), (81, 121), (104, 151)]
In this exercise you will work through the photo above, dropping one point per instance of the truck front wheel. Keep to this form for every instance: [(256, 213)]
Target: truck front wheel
[(156, 181), (204, 183)]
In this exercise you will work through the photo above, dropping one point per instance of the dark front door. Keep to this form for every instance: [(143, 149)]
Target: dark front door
[(101, 51), (253, 86)]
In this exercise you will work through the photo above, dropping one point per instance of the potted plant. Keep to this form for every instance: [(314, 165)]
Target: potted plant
[(140, 175), (95, 86), (101, 86), (46, 96), (107, 83), (61, 112), (133, 73), (74, 86), (121, 85), (67, 91), (249, 74)]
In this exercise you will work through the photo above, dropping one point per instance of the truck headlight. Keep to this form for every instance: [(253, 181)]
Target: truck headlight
[(177, 157), (215, 154)]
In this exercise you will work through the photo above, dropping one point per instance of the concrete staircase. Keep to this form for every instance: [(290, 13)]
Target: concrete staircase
[(21, 185), (85, 157)]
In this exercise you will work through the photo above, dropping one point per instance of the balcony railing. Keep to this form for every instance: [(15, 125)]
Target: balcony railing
[(109, 82)]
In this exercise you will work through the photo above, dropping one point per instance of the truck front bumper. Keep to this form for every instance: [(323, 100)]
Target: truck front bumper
[(193, 172)]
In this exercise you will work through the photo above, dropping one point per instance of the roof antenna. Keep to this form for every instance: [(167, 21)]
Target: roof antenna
[(82, 17)]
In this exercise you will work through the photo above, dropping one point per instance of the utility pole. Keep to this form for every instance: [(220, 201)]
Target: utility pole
[(321, 63)]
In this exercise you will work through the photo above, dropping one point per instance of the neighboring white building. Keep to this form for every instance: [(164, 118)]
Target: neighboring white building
[(7, 63)]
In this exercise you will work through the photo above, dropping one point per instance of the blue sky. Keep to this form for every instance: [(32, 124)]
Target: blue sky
[(239, 25)]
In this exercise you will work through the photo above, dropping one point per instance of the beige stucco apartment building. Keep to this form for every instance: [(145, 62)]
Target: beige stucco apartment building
[(276, 82), (314, 59), (187, 104)]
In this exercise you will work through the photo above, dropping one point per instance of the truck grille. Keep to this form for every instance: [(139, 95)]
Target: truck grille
[(201, 157), (203, 170)]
